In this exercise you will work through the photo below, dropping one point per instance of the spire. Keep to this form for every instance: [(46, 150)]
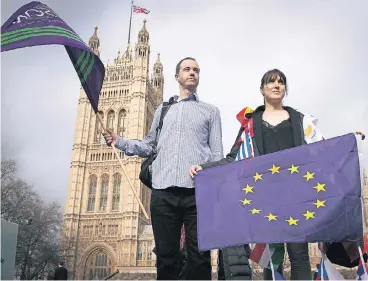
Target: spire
[(142, 48), (143, 35), (157, 67), (94, 42), (157, 81), (129, 52), (144, 25), (157, 76)]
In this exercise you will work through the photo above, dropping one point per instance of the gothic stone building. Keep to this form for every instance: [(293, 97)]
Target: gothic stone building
[(104, 228)]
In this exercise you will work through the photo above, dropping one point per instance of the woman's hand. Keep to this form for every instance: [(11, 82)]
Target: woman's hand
[(194, 169)]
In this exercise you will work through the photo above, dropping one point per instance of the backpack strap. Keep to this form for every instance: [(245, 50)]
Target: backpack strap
[(164, 110)]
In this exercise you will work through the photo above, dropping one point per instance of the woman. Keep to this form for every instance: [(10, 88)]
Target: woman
[(270, 128)]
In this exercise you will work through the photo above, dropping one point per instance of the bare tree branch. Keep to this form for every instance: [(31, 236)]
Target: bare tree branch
[(38, 246), (8, 169)]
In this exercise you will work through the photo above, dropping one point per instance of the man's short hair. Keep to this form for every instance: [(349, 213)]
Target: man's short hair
[(177, 69), (61, 263)]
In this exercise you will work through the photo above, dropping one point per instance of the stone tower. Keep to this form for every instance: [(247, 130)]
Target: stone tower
[(104, 229)]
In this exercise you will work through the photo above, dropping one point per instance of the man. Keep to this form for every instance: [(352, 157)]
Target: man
[(61, 273), (191, 133)]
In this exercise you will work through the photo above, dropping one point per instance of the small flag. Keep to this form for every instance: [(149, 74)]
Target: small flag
[(278, 276), (36, 24), (361, 274), (365, 245), (321, 271), (140, 10), (310, 193), (263, 256), (328, 271)]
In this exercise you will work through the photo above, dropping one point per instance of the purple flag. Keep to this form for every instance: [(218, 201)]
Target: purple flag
[(311, 193), (36, 24)]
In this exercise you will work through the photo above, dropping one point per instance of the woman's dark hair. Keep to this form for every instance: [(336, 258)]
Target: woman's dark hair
[(271, 76)]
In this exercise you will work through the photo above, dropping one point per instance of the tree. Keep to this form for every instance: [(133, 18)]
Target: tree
[(39, 223), (8, 169)]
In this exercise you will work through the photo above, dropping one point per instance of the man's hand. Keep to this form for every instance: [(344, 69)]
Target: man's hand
[(110, 137), (194, 169)]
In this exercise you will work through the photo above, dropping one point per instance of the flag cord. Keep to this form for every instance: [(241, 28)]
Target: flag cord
[(124, 171)]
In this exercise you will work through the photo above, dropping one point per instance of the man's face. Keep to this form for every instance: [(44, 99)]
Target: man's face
[(188, 76)]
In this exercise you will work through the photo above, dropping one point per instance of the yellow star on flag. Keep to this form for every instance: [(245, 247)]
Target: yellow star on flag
[(274, 169), (271, 217), (309, 215), (248, 189), (320, 203), (293, 169), (320, 187), (246, 201), (292, 221), (257, 177), (255, 211), (309, 176)]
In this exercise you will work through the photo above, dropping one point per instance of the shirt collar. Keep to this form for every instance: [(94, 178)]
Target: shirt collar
[(193, 97)]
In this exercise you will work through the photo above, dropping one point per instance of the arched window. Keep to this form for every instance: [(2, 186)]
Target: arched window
[(104, 192), (98, 131), (122, 122), (92, 193), (116, 193), (110, 120), (98, 267)]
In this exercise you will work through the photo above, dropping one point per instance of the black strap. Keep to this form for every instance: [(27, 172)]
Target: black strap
[(164, 110)]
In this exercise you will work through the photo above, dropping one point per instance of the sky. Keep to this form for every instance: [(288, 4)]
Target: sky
[(319, 45)]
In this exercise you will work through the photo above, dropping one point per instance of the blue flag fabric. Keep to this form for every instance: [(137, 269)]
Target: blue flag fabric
[(311, 193), (36, 24)]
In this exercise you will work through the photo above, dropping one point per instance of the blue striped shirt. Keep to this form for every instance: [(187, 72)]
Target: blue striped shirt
[(191, 134)]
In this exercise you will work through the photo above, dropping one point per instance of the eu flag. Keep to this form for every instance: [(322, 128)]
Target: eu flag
[(310, 193)]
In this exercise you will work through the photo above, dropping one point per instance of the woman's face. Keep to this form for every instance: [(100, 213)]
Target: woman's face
[(274, 90)]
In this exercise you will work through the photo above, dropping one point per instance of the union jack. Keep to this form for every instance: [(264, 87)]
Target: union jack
[(140, 10)]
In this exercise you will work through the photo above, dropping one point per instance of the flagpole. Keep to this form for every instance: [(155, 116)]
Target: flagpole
[(130, 21), (123, 168)]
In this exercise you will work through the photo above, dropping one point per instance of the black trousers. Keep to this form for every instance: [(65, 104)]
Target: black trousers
[(183, 264), (170, 208), (299, 263)]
